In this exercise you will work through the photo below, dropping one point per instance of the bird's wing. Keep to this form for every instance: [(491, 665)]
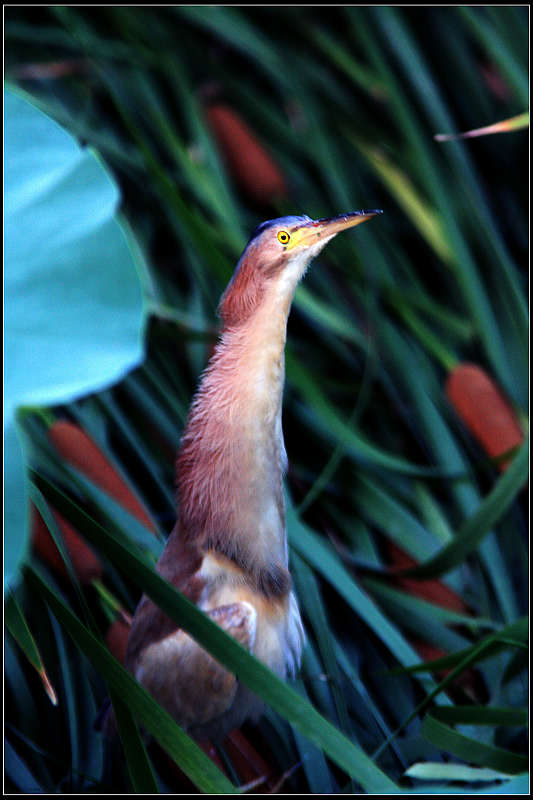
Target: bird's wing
[(185, 678), (179, 565)]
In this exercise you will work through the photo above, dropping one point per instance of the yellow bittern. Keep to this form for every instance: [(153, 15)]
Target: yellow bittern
[(228, 550)]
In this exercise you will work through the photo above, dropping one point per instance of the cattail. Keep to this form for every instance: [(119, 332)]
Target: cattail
[(484, 410), (432, 590), (248, 162), (469, 680), (117, 638), (79, 450), (85, 562)]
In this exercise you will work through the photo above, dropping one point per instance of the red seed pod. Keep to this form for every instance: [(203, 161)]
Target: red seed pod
[(117, 638), (84, 560), (484, 410), (248, 162), (78, 449)]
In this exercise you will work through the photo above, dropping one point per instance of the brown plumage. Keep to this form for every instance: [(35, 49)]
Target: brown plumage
[(228, 550)]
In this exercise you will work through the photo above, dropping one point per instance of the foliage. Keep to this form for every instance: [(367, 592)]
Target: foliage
[(74, 309), (408, 541)]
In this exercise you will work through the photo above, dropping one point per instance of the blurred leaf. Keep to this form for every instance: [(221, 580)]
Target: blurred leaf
[(74, 316), (515, 635), (471, 532), (231, 25), (505, 126), (328, 420), (493, 44), (18, 628), (325, 561), (414, 205), (18, 772), (406, 603)]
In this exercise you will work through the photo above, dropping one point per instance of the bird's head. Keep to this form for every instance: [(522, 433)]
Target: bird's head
[(275, 259)]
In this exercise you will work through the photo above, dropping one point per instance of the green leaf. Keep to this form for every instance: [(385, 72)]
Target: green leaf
[(407, 604), (323, 559), (326, 419), (137, 761), (472, 531), (19, 630), (383, 510), (515, 634), (492, 43), (313, 760), (312, 605), (19, 772), (323, 314), (231, 25), (514, 785), (440, 771), (482, 715), (74, 314), (471, 750), (425, 218)]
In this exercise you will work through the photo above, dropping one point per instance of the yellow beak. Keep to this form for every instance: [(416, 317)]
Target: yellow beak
[(309, 232)]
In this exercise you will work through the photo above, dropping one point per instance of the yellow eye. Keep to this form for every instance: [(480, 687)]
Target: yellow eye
[(283, 237)]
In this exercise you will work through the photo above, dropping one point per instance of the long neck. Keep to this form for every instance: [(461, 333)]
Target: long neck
[(232, 458)]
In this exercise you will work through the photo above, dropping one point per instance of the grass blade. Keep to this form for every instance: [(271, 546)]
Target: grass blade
[(454, 772), (18, 628), (470, 749), (137, 761), (472, 531)]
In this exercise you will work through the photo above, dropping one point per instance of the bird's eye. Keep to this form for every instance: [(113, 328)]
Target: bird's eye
[(283, 237)]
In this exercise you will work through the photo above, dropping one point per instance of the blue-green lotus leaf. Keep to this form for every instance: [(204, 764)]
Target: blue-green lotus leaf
[(74, 314)]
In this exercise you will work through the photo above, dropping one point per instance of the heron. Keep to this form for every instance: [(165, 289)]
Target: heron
[(228, 550)]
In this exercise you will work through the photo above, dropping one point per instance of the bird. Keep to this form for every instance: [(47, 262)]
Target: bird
[(227, 552)]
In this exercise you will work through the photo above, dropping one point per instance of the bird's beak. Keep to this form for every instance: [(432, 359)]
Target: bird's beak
[(311, 232)]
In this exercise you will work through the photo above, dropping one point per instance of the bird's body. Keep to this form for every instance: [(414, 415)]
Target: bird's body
[(228, 550)]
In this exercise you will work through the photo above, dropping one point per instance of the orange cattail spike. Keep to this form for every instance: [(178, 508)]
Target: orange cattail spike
[(85, 562), (78, 449), (249, 163), (484, 410), (469, 680), (432, 590)]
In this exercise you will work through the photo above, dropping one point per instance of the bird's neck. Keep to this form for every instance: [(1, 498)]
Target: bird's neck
[(232, 457)]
